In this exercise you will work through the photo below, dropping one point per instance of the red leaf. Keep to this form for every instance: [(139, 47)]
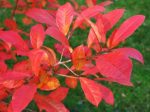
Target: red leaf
[(101, 29), (6, 4), (115, 66), (75, 4), (62, 71), (23, 66), (3, 67), (11, 24), (79, 57), (5, 56), (90, 70), (22, 97), (56, 34), (60, 48), (87, 13), (21, 3), (37, 36), (5, 45), (11, 84), (13, 75), (131, 52), (107, 94), (110, 39), (51, 59), (91, 3), (112, 18), (71, 82), (26, 20), (64, 17), (36, 58), (125, 30), (106, 3), (53, 4), (9, 109), (48, 83), (3, 107), (91, 90), (59, 94), (46, 103), (41, 15), (93, 42), (96, 30), (15, 39), (3, 93)]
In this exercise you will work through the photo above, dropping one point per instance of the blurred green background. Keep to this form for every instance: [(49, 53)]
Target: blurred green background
[(127, 99)]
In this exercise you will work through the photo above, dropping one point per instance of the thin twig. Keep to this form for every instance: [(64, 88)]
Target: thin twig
[(23, 32), (69, 35), (70, 70), (29, 110), (63, 62), (67, 76), (62, 55), (14, 10)]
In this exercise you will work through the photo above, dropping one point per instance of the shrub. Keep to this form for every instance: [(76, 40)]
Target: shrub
[(38, 68)]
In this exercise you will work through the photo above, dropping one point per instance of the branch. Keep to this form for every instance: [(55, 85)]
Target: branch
[(69, 35), (63, 62), (67, 76), (62, 55), (14, 10), (70, 70)]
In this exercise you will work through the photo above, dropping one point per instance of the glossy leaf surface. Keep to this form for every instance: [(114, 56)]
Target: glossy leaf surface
[(64, 17), (22, 97), (91, 90)]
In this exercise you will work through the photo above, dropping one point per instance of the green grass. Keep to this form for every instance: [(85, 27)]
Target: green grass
[(127, 99)]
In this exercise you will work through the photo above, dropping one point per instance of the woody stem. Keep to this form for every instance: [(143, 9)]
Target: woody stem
[(66, 76), (63, 62), (70, 70), (14, 10)]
